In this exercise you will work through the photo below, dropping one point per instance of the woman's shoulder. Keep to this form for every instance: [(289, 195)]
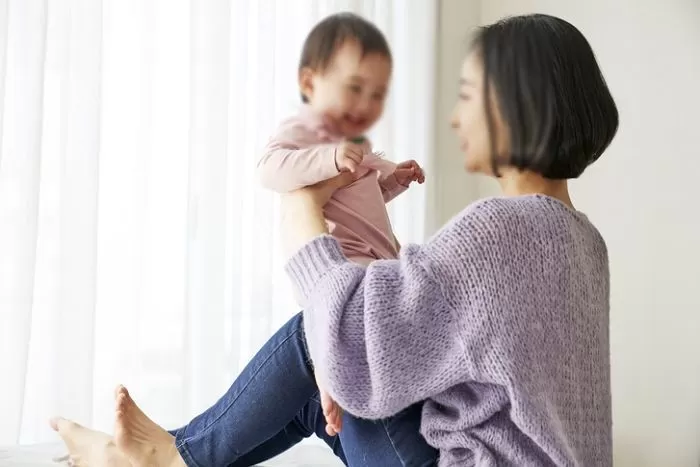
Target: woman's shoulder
[(509, 208), (491, 219), (532, 212), (507, 225)]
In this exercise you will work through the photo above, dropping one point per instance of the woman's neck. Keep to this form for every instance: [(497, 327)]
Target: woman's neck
[(517, 183)]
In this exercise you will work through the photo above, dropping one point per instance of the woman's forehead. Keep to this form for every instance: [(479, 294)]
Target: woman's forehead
[(471, 69)]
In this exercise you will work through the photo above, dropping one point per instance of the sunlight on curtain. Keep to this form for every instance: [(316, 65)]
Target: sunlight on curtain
[(135, 244)]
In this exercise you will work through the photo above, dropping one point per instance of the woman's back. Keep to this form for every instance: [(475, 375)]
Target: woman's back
[(539, 388)]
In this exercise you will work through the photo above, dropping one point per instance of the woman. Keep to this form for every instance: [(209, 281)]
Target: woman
[(497, 328)]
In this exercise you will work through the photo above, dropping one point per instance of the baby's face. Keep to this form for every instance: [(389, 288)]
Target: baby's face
[(351, 91)]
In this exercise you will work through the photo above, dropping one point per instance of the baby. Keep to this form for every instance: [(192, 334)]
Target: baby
[(344, 76)]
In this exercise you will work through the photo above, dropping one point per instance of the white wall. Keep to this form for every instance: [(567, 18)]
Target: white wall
[(455, 18), (644, 195)]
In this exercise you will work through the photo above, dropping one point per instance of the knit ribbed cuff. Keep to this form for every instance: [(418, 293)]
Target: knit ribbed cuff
[(313, 261)]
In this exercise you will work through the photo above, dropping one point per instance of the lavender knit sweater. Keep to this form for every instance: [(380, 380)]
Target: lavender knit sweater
[(500, 322)]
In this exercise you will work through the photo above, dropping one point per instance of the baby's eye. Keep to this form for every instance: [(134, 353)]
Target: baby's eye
[(356, 88)]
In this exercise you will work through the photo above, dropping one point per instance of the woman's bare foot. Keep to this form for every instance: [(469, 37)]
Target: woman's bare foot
[(139, 438), (88, 447)]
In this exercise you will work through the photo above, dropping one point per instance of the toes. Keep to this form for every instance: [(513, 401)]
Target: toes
[(338, 423), (331, 414), (120, 390), (63, 458), (123, 401), (335, 419), (121, 412), (53, 422), (326, 405), (335, 424), (63, 426)]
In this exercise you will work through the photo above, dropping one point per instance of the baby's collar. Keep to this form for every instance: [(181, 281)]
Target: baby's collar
[(322, 124)]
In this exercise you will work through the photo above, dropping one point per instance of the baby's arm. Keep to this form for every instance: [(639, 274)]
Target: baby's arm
[(389, 184), (291, 160), (401, 178), (391, 188)]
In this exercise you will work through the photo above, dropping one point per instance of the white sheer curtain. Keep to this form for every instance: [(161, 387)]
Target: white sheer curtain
[(135, 244)]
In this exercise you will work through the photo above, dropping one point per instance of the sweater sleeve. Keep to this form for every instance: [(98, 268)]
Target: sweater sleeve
[(391, 334), (290, 162)]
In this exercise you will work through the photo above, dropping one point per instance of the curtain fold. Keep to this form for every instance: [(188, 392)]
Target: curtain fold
[(136, 246)]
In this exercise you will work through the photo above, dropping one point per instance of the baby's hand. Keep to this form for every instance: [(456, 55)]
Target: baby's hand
[(332, 412), (409, 171), (348, 156)]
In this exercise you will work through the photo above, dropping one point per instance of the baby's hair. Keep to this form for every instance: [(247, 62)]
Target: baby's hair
[(332, 32)]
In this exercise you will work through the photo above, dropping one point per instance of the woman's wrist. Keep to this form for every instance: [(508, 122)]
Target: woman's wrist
[(302, 221)]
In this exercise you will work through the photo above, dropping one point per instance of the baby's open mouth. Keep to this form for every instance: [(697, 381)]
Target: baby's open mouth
[(356, 121)]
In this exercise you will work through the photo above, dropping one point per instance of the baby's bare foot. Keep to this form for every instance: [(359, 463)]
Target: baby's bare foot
[(88, 447), (139, 438)]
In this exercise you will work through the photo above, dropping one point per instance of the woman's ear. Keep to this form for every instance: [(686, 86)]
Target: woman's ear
[(306, 82)]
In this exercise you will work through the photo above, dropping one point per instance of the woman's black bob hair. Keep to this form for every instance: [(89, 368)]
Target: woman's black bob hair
[(550, 92)]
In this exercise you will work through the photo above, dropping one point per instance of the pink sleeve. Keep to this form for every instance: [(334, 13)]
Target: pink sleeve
[(292, 159), (391, 188)]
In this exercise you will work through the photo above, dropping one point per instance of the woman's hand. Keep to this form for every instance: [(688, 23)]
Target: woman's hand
[(322, 192), (302, 211)]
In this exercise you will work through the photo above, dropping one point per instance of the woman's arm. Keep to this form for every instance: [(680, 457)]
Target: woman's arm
[(391, 334)]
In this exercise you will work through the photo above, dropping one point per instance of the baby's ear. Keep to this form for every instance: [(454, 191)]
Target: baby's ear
[(306, 83)]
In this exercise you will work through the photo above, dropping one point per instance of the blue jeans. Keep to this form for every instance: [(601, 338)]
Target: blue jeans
[(274, 404)]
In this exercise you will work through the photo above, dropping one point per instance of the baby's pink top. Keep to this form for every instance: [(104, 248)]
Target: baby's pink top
[(302, 153)]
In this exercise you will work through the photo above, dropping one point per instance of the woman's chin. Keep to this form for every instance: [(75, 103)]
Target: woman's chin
[(477, 166), (471, 167)]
